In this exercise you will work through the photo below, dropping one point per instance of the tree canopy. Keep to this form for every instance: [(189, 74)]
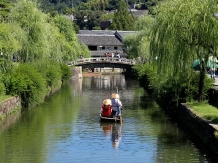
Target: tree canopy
[(184, 31), (122, 18)]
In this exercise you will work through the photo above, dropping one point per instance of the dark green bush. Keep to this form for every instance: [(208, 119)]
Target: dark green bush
[(51, 71), (28, 83), (2, 89), (66, 72), (194, 83), (173, 90)]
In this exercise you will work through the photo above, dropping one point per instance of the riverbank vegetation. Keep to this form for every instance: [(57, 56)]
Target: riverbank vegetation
[(167, 44), (35, 49), (205, 111)]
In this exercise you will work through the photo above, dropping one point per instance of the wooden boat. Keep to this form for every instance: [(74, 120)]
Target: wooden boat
[(110, 119)]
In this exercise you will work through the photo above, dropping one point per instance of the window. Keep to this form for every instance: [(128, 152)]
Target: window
[(92, 48)]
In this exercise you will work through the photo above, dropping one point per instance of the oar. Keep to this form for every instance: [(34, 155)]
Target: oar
[(121, 120)]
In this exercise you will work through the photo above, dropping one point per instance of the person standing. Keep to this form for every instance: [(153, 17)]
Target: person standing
[(118, 55), (212, 73), (116, 105), (112, 54)]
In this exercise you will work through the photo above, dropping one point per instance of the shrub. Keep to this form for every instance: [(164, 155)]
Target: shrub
[(51, 71), (194, 83), (174, 90), (27, 83), (2, 89), (66, 72)]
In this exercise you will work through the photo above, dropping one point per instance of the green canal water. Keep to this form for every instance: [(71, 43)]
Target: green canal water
[(66, 129)]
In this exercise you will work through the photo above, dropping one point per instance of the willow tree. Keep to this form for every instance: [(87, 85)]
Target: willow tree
[(138, 44), (33, 22), (71, 47), (184, 31), (8, 45)]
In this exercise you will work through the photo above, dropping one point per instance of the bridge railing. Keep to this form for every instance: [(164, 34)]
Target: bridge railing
[(103, 60)]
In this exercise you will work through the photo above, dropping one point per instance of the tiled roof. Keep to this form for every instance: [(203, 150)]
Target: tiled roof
[(96, 32), (124, 33), (102, 37), (90, 39)]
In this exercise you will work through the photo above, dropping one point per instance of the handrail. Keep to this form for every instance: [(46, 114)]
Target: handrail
[(103, 60)]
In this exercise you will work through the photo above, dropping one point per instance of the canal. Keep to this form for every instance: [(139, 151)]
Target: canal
[(66, 128)]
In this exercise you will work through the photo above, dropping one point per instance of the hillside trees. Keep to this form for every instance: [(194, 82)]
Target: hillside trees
[(88, 19), (122, 18)]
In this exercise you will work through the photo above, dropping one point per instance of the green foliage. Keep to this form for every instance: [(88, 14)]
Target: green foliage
[(62, 7), (66, 72), (122, 18), (8, 44), (216, 134), (5, 8), (146, 75), (95, 5), (205, 111), (2, 89), (33, 22), (184, 31), (180, 88), (71, 47), (138, 44), (27, 83), (107, 17), (192, 90), (50, 71), (88, 19)]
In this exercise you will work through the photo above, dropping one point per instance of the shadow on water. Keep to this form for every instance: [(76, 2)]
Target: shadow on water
[(178, 135), (205, 150)]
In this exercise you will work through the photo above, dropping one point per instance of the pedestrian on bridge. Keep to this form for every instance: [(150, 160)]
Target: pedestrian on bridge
[(112, 54)]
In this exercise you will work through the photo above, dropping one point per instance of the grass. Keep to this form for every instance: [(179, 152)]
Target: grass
[(2, 98), (205, 110), (216, 134)]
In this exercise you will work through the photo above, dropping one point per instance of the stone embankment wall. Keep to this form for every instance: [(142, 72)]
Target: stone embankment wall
[(76, 72), (203, 129), (9, 105)]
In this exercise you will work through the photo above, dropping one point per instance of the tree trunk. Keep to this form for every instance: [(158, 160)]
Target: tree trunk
[(201, 82)]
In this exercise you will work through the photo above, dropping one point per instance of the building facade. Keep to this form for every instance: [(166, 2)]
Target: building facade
[(102, 42)]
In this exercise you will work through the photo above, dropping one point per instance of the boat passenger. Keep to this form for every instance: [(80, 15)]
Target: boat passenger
[(106, 108), (116, 105)]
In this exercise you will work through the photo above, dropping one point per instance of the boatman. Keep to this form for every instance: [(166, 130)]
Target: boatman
[(116, 105)]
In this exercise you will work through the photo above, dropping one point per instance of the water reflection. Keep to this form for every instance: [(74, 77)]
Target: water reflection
[(66, 129), (112, 131), (116, 135)]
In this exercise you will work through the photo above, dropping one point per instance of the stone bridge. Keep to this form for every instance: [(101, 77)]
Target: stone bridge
[(104, 62)]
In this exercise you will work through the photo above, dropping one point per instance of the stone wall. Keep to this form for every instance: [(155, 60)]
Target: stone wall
[(203, 129), (9, 105), (77, 72)]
